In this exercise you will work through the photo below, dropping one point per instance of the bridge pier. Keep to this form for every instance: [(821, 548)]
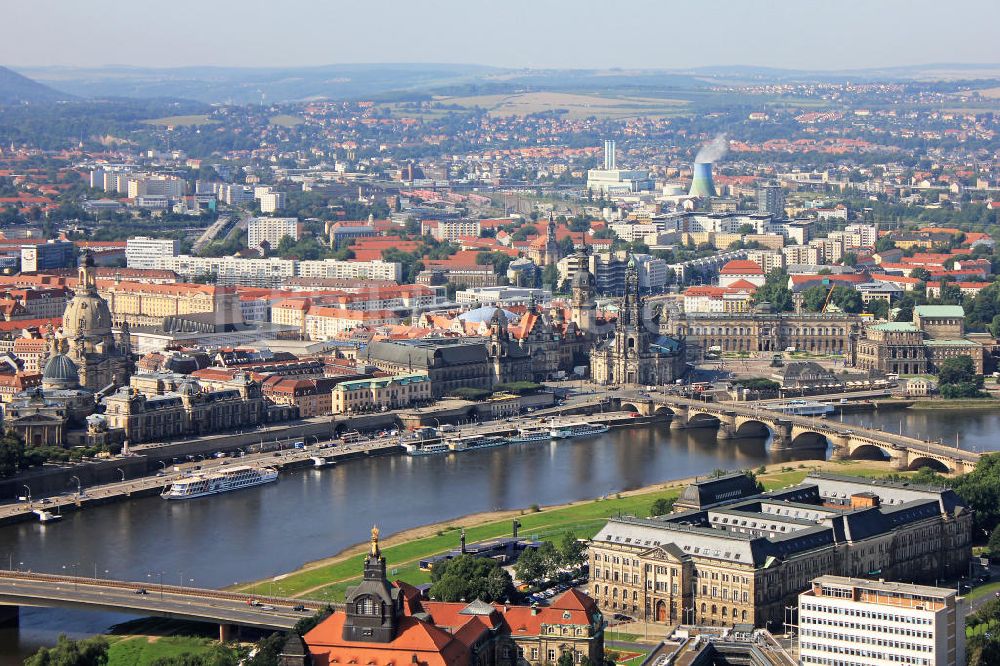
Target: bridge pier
[(725, 432), (841, 449), (10, 616), (898, 461), (228, 632)]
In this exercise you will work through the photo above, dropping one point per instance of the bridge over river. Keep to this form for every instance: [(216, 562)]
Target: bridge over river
[(228, 609), (789, 431)]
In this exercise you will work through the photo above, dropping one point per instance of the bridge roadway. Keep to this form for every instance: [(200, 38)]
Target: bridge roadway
[(228, 609), (789, 431)]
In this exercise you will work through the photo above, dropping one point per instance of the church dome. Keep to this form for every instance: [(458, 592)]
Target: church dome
[(60, 372), (86, 314), (189, 387)]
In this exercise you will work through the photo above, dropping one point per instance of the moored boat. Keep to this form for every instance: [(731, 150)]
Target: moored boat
[(213, 483)]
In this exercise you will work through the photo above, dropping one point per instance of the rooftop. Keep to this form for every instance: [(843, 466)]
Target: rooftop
[(951, 311)]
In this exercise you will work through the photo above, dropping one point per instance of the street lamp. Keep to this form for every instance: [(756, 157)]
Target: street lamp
[(29, 493), (79, 485), (122, 472)]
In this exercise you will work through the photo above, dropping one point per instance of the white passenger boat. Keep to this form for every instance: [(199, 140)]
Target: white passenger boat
[(573, 430), (47, 516), (475, 442), (426, 449), (803, 408), (213, 483), (529, 435)]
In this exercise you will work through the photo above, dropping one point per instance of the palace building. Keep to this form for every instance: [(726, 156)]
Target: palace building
[(387, 623), (936, 333), (763, 330), (633, 354), (730, 554)]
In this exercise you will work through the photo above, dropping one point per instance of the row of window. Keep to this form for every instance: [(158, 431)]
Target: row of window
[(865, 656), (853, 612), (868, 640)]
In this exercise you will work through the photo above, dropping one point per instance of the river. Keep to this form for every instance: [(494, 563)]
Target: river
[(312, 514)]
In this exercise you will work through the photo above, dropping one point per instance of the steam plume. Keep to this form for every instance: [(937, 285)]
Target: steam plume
[(714, 150)]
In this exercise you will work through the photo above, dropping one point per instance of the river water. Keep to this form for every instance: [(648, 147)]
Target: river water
[(311, 514)]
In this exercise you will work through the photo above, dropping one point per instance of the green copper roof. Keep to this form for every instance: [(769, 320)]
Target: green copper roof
[(896, 327), (939, 311), (950, 343)]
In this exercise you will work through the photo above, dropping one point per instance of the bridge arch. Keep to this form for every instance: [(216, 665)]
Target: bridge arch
[(933, 463), (808, 439), (869, 452), (752, 428), (703, 420), (663, 410), (629, 407)]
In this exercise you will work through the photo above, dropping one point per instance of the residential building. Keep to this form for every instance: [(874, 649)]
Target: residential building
[(860, 622), (452, 230), (771, 199), (272, 230), (143, 252), (730, 554), (328, 323), (741, 270)]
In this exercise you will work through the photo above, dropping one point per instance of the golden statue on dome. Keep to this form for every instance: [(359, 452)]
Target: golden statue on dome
[(375, 550)]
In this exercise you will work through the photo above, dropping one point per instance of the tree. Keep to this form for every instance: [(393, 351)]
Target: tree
[(550, 557), (956, 370), (994, 543), (746, 229), (879, 308), (550, 277), (814, 298), (468, 577), (571, 551), (921, 274), (530, 566), (11, 454), (661, 507), (565, 659), (847, 299), (995, 326), (86, 652), (775, 291)]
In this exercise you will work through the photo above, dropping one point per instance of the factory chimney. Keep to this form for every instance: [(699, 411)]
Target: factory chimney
[(609, 155), (702, 185)]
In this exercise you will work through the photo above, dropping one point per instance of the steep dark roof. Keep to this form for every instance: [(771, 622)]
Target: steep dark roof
[(427, 354), (720, 489)]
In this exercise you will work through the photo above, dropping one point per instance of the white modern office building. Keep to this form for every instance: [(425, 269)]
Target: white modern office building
[(859, 622), (143, 252)]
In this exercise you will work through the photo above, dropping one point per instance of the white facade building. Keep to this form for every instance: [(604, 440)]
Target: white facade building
[(143, 252), (449, 230), (858, 622), (351, 270), (272, 201), (272, 230)]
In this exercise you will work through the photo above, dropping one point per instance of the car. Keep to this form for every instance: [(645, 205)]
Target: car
[(224, 462), (298, 608), (141, 590), (265, 607)]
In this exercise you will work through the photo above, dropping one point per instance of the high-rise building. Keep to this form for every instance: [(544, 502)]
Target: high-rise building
[(859, 622), (47, 256), (272, 201), (272, 230), (143, 252), (771, 199)]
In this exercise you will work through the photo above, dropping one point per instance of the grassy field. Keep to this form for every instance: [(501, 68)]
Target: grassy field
[(328, 580), (575, 105), (147, 649), (181, 121), (286, 120)]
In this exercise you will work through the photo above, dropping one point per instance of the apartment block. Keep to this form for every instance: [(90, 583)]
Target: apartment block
[(143, 252), (272, 230)]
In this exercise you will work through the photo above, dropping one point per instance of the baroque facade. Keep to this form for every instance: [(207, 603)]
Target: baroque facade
[(102, 360), (732, 555), (633, 354), (189, 410), (919, 347), (763, 330)]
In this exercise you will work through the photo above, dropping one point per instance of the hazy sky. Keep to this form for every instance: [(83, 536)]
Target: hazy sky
[(798, 34)]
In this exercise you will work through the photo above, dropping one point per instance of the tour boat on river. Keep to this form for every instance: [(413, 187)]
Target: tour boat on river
[(529, 435), (213, 483), (426, 449), (573, 430)]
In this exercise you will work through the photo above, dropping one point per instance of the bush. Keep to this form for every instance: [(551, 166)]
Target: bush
[(468, 393), (518, 388)]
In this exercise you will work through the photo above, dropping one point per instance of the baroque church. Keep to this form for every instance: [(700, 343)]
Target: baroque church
[(634, 354)]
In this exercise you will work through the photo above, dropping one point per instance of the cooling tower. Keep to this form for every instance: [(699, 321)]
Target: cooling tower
[(702, 185)]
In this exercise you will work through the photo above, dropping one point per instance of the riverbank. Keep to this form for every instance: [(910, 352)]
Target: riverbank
[(327, 579), (959, 404)]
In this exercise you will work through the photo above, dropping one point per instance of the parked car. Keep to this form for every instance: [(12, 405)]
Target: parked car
[(298, 608), (141, 590)]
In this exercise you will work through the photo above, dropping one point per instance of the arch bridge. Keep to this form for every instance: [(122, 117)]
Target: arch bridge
[(789, 431)]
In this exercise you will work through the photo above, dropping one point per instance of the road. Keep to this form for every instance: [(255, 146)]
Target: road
[(30, 589)]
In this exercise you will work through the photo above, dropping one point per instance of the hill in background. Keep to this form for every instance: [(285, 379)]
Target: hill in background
[(18, 89)]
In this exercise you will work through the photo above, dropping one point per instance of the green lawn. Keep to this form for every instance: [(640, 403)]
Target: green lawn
[(181, 121), (584, 519), (982, 591), (138, 650)]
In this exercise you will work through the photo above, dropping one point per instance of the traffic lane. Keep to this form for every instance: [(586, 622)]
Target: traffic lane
[(149, 602)]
